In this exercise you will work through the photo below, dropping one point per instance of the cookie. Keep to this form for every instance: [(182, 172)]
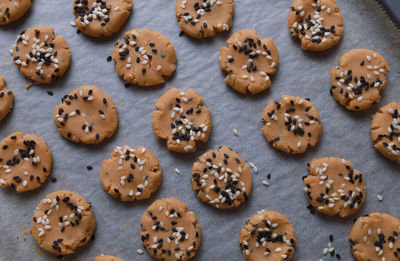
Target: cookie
[(169, 231), (63, 222), (25, 162), (317, 24), (12, 10), (86, 115), (385, 131), (130, 174), (249, 61), (292, 124), (221, 178), (376, 237), (41, 55), (144, 57), (182, 119), (333, 187), (202, 19), (268, 235), (108, 258), (6, 99), (357, 81), (101, 18)]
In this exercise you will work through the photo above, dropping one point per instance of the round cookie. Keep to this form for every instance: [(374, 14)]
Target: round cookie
[(12, 10), (385, 131), (108, 258), (101, 18), (25, 162), (144, 57), (221, 178), (333, 187), (317, 24), (249, 61), (86, 115), (41, 55), (130, 174), (169, 231), (182, 119), (291, 125), (268, 235), (6, 99), (357, 81), (375, 237), (62, 222)]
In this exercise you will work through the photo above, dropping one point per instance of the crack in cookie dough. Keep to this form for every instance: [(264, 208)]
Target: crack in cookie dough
[(317, 23), (221, 178), (249, 61), (6, 99), (107, 258), (12, 10)]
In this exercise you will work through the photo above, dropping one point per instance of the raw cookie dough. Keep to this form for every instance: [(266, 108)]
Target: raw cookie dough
[(385, 131), (144, 57), (130, 174), (25, 162), (202, 19), (11, 10), (41, 55), (169, 231), (221, 178), (333, 187), (268, 235), (357, 81), (376, 237), (86, 115), (318, 24), (182, 119), (99, 18), (62, 222), (291, 125), (108, 258), (249, 61), (6, 99)]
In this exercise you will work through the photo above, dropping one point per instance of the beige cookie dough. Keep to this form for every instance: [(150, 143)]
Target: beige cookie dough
[(169, 231), (41, 55), (108, 258), (317, 24), (12, 10), (221, 178), (63, 222), (292, 124), (249, 61), (86, 115), (182, 119), (6, 99), (202, 19), (268, 235), (333, 187), (385, 131), (144, 58), (376, 237), (358, 79), (25, 162), (101, 18)]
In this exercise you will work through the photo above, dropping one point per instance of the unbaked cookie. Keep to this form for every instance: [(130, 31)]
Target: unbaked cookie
[(268, 235), (144, 57), (317, 23), (99, 18), (202, 19), (333, 187), (376, 237), (357, 81), (108, 258), (292, 124), (41, 55), (6, 99), (130, 174), (169, 231), (62, 222), (249, 61), (385, 131), (221, 178), (25, 162), (86, 115), (182, 119), (11, 10)]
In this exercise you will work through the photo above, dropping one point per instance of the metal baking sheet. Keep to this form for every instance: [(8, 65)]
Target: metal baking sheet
[(346, 134)]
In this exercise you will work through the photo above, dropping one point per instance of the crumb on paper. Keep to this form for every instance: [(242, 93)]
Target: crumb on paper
[(28, 85), (122, 104)]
